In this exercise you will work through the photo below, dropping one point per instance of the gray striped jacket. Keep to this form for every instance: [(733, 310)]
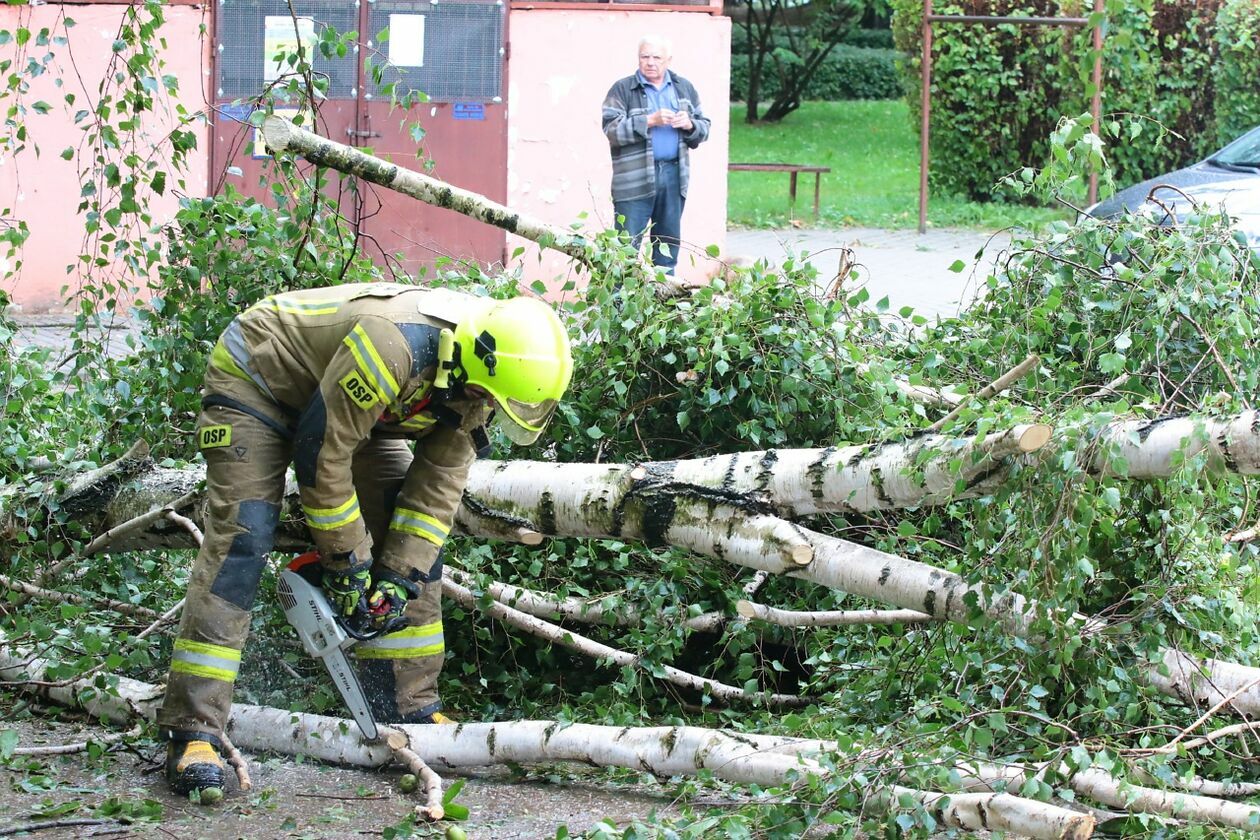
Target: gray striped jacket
[(626, 110)]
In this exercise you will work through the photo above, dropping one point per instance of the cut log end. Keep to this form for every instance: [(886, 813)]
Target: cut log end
[(430, 813), (638, 473), (802, 555), (745, 609), (277, 131), (395, 740), (1080, 828), (528, 537), (1035, 437)]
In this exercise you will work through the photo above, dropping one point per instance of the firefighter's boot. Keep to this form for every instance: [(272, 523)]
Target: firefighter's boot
[(193, 765)]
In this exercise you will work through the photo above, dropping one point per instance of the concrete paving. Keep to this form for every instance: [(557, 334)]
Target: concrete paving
[(909, 268)]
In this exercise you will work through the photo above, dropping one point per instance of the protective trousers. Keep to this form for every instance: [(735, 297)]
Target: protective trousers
[(246, 460)]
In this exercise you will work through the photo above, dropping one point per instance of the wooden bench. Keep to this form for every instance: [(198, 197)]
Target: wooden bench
[(794, 169)]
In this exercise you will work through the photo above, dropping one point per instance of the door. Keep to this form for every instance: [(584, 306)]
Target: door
[(451, 52)]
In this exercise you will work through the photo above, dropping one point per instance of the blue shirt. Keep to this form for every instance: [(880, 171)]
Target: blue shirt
[(665, 138)]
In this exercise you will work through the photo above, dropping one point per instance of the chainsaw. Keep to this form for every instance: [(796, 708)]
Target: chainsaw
[(326, 635)]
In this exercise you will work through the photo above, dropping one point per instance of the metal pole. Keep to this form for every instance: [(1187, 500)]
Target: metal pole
[(998, 20), (926, 108), (1096, 105)]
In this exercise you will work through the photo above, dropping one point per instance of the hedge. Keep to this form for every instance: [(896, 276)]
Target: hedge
[(848, 73), (1237, 70), (998, 91)]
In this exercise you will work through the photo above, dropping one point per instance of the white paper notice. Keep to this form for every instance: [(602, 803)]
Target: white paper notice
[(406, 40), (281, 36)]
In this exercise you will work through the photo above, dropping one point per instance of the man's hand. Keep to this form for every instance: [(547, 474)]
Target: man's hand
[(682, 121), (665, 116), (346, 588), (389, 598)]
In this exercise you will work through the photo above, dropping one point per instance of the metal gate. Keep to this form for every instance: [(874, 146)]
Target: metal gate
[(453, 53)]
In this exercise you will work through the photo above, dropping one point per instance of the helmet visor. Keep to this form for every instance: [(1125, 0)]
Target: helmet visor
[(523, 422)]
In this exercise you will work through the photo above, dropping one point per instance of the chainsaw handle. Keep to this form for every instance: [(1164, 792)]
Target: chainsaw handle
[(354, 626)]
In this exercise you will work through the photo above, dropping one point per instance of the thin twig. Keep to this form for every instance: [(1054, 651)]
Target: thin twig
[(55, 597), (40, 826), (996, 386), (1224, 701), (237, 762), (828, 618), (140, 522), (81, 746), (187, 524), (400, 743), (754, 585)]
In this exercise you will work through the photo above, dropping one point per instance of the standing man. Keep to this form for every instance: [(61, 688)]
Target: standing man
[(337, 381), (652, 120)]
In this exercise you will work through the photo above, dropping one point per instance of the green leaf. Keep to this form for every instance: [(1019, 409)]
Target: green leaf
[(8, 743), (1111, 363), (957, 266)]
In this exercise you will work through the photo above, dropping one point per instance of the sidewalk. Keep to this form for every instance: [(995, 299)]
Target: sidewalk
[(909, 268)]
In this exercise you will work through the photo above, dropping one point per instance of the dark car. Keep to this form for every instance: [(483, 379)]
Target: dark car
[(1229, 179)]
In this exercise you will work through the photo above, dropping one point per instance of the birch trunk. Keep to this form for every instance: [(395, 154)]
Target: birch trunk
[(1108, 790), (662, 751), (283, 135)]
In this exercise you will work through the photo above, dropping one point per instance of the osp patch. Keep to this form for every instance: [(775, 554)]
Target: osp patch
[(362, 395), (213, 437)]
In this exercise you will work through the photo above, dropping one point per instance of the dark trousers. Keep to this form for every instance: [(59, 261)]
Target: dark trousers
[(664, 212)]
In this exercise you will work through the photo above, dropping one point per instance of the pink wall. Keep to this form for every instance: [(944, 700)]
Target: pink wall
[(44, 190), (562, 63), (558, 162)]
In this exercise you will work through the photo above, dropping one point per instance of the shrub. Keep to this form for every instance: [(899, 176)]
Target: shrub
[(848, 73), (879, 39), (1237, 69), (998, 91)]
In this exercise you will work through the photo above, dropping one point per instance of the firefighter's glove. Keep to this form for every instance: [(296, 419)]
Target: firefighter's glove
[(389, 598), (347, 587)]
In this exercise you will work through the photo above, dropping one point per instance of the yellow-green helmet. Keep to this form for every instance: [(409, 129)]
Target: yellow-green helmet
[(518, 351)]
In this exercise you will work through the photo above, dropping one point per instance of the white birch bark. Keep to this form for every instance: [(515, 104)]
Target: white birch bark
[(601, 609), (1208, 682), (1108, 790), (283, 135), (746, 758), (827, 618), (1152, 449)]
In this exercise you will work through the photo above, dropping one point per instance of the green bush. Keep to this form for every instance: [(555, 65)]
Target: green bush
[(879, 39), (848, 73), (1237, 69), (997, 92)]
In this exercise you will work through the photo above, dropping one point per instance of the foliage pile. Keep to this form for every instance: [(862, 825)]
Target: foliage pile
[(999, 91), (758, 360)]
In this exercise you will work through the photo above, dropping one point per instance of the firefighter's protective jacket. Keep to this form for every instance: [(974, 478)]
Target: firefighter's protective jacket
[(332, 367)]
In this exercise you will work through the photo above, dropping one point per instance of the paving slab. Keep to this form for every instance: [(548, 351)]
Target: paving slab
[(909, 268)]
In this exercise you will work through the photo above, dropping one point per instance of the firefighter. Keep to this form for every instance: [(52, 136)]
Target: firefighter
[(337, 382)]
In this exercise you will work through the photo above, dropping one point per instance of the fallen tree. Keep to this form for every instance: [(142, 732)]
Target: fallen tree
[(744, 758), (716, 507)]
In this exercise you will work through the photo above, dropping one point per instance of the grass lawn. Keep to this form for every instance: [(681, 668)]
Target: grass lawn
[(873, 152)]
